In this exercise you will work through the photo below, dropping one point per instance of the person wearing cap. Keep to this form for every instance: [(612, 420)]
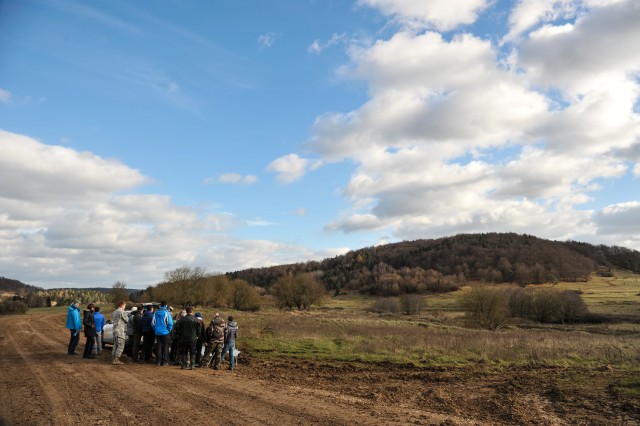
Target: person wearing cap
[(200, 340), (89, 331), (188, 330), (74, 324)]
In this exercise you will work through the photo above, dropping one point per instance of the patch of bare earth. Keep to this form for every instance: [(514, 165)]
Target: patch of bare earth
[(40, 384)]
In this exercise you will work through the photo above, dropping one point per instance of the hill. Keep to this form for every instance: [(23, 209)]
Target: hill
[(8, 285), (444, 264)]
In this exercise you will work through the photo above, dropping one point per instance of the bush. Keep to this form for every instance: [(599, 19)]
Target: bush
[(386, 305), (244, 296), (11, 307), (486, 307), (412, 303), (547, 305), (299, 291)]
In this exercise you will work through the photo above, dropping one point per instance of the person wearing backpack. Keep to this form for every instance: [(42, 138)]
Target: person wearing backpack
[(230, 335), (162, 325), (214, 339)]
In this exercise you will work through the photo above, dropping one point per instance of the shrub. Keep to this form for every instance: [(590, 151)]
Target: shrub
[(386, 305), (412, 303), (297, 291), (486, 307), (243, 296), (13, 307)]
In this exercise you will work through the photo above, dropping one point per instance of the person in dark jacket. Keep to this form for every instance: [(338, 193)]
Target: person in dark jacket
[(201, 339), (74, 324), (89, 331), (188, 330), (148, 335), (136, 337)]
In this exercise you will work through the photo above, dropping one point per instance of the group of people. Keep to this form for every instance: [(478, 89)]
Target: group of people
[(179, 339)]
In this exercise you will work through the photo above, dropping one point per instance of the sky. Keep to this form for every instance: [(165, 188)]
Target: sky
[(140, 137)]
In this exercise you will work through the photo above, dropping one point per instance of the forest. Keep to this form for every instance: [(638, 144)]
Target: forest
[(445, 264)]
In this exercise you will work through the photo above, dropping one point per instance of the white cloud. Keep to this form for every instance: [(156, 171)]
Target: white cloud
[(291, 167), (442, 15), (266, 40), (235, 178), (66, 219), (300, 212), (454, 139), (5, 96), (317, 46)]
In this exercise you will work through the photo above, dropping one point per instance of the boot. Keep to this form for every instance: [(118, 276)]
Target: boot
[(193, 363), (116, 361)]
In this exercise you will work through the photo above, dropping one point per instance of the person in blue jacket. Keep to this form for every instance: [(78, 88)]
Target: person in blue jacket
[(74, 324), (162, 326), (99, 319)]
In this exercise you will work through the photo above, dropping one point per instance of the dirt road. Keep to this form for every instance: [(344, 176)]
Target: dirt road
[(40, 384)]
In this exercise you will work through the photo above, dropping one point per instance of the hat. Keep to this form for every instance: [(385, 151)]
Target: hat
[(198, 314), (135, 308)]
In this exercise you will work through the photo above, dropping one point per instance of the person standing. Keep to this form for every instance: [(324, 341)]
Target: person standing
[(74, 324), (188, 330), (230, 335), (162, 326), (128, 349), (99, 320), (136, 321), (148, 336), (200, 341), (119, 319), (214, 340), (89, 331)]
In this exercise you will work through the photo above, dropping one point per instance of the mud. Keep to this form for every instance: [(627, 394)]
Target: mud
[(41, 385)]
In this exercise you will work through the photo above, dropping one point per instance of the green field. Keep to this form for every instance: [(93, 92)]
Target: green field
[(342, 329)]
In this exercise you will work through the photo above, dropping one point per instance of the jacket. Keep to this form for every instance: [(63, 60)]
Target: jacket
[(130, 325), (137, 323), (73, 318), (120, 319), (89, 324), (189, 328), (146, 322), (231, 333), (99, 319), (162, 322)]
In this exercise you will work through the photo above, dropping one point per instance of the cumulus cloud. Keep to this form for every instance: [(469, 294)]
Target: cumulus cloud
[(291, 167), (73, 218), (442, 15), (453, 138)]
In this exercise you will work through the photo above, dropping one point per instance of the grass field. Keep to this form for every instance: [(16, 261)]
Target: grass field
[(342, 329)]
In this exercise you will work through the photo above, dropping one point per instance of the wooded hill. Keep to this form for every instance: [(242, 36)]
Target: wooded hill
[(446, 263), (8, 285)]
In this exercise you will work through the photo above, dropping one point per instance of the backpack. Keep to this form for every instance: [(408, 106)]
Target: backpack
[(218, 332)]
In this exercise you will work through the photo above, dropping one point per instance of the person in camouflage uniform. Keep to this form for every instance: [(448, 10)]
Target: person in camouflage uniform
[(214, 339), (119, 319)]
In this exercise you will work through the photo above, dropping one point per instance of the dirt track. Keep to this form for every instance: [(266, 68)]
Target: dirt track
[(40, 384)]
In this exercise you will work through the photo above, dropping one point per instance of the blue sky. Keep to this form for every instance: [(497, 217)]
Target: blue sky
[(138, 137)]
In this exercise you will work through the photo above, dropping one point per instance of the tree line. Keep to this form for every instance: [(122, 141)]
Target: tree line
[(444, 264)]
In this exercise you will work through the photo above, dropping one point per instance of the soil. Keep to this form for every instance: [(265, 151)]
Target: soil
[(40, 384)]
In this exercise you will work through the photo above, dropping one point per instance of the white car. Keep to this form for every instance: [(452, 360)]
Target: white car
[(107, 330)]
